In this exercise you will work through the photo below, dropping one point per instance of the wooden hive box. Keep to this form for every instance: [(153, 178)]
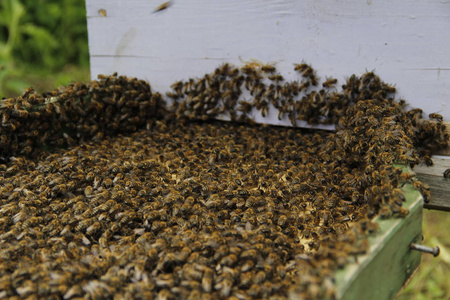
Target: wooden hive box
[(403, 42)]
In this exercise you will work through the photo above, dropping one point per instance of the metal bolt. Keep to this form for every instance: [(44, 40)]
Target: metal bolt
[(435, 251)]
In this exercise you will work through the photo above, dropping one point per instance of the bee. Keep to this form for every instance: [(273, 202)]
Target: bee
[(254, 291), (400, 211), (31, 222), (428, 161), (330, 82), (229, 260), (385, 211), (224, 287), (20, 216), (13, 169), (19, 113), (262, 213), (177, 87), (4, 140), (28, 288), (88, 190), (250, 69), (249, 254), (245, 107), (97, 288), (260, 277), (165, 280), (304, 69), (282, 221), (10, 126), (407, 177), (74, 291), (268, 68), (301, 67), (447, 173), (96, 183), (60, 189), (436, 117), (276, 77), (66, 231), (207, 280), (326, 218), (84, 224), (424, 189), (370, 227)]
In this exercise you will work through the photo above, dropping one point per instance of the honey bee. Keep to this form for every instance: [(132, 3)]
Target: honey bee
[(18, 113), (60, 189), (276, 77), (224, 287), (4, 139), (447, 173), (229, 260), (436, 117), (10, 126), (400, 211), (31, 222), (88, 190), (74, 291), (370, 227), (94, 228), (27, 289), (84, 224), (385, 211), (424, 189), (407, 177), (103, 242), (330, 82), (254, 291), (301, 67), (428, 161), (263, 212), (268, 68)]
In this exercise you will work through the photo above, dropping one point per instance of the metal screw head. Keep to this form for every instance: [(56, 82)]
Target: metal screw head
[(435, 251)]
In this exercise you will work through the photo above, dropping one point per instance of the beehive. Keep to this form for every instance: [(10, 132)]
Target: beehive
[(205, 209), (79, 113), (190, 38)]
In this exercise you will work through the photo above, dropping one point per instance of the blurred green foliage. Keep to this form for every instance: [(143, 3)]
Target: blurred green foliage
[(40, 38)]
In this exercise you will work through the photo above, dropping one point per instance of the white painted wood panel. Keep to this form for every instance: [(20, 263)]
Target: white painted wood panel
[(406, 42)]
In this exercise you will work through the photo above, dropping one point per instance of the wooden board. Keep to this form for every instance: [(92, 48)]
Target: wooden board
[(405, 42), (390, 263), (439, 186)]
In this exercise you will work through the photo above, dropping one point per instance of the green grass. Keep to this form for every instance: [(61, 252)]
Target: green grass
[(69, 74), (432, 279), (44, 81)]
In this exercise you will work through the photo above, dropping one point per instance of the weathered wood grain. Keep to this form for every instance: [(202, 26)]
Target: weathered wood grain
[(440, 192), (439, 186)]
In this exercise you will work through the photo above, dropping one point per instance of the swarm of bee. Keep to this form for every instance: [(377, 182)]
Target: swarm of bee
[(157, 201), (75, 113)]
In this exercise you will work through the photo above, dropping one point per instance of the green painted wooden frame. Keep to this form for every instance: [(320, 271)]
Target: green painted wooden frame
[(390, 263)]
